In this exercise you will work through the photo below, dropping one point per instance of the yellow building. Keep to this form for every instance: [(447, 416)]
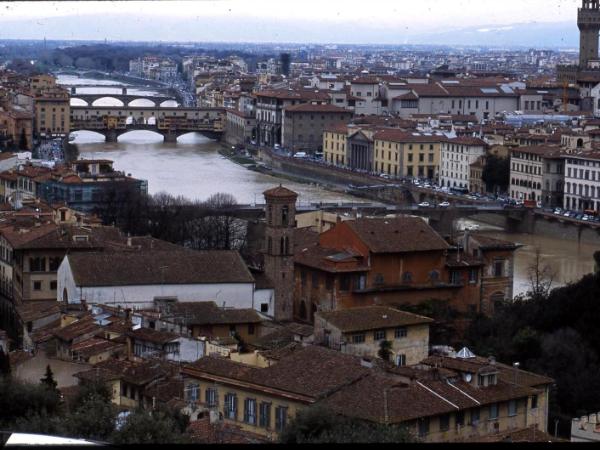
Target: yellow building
[(360, 332), (42, 81), (52, 112), (402, 154), (444, 399), (335, 143)]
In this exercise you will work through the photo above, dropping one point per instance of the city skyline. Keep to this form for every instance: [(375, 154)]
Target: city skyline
[(383, 22)]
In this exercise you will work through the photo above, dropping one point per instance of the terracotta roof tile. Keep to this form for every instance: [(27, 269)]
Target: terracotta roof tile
[(371, 318)]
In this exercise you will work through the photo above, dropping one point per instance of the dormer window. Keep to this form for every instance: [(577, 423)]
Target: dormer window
[(487, 380)]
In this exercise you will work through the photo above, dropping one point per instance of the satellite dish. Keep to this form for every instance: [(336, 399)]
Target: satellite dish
[(468, 377)]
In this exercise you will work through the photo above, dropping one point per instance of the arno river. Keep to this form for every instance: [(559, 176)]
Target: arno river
[(193, 168)]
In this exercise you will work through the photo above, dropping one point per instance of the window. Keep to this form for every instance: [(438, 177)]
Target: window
[(211, 397), (37, 285), (401, 360), (53, 285), (250, 411), (498, 269), (358, 338), (455, 277), (315, 280), (460, 419), (493, 411), (379, 335), (473, 276), (37, 264), (250, 329), (231, 406), (512, 408), (534, 402), (280, 418), (475, 416), (329, 282), (407, 277), (400, 333), (265, 415), (264, 307), (445, 422), (423, 427), (193, 392), (54, 264), (345, 283)]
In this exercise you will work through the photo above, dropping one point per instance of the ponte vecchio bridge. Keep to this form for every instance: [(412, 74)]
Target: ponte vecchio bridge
[(124, 97), (114, 121)]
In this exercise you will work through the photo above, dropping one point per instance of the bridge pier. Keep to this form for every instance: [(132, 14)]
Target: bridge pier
[(171, 138), (111, 136)]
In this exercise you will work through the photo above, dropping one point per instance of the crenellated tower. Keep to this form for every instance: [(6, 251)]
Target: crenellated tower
[(588, 21)]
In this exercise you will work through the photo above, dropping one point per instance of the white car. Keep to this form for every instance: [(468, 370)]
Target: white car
[(444, 205), (424, 205)]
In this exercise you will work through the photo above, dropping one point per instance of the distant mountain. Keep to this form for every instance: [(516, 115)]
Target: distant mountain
[(561, 34), (236, 29)]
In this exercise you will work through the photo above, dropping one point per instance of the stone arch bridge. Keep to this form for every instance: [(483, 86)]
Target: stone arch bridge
[(124, 97), (114, 121)]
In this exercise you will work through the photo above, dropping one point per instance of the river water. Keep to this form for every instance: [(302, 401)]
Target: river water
[(193, 168)]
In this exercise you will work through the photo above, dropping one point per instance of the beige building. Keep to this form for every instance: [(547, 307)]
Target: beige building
[(476, 182), (360, 332), (444, 399), (52, 112), (319, 221), (335, 142), (403, 154)]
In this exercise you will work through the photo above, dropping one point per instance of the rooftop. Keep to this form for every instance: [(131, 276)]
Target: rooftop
[(371, 318)]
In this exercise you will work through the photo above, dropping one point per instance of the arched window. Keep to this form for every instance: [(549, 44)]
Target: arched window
[(579, 143), (285, 216), (407, 277), (286, 245), (434, 276)]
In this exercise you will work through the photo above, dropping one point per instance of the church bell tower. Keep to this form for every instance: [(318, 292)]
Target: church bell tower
[(279, 248)]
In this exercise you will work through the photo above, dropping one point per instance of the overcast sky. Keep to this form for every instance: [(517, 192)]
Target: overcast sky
[(412, 16)]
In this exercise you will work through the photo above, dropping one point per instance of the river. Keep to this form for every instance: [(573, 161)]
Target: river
[(194, 168)]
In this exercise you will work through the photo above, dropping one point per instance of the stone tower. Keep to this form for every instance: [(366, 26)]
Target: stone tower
[(279, 248), (588, 21)]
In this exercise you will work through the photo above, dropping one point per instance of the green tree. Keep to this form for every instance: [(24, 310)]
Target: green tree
[(48, 379), (94, 419), (385, 350), (317, 425), (496, 174), (149, 427)]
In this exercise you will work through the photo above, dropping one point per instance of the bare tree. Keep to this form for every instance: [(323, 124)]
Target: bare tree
[(541, 276)]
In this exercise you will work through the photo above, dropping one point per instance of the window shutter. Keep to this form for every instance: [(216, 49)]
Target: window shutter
[(235, 408)]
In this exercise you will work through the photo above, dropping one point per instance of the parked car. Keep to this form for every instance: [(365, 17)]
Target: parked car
[(300, 155), (424, 205), (444, 205)]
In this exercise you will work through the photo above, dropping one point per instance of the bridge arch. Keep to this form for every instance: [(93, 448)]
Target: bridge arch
[(107, 97), (143, 102), (132, 133), (76, 101), (169, 103), (90, 133)]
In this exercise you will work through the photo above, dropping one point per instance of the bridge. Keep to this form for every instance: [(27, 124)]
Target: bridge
[(114, 121), (124, 97)]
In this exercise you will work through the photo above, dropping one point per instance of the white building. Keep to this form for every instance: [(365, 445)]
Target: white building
[(457, 156), (582, 181), (140, 279)]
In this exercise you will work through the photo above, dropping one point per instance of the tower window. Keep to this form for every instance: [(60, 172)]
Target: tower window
[(285, 216)]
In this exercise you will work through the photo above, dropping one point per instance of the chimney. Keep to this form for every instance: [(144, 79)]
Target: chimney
[(492, 361), (129, 241)]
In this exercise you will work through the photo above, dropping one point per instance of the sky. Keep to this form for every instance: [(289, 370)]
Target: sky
[(268, 20)]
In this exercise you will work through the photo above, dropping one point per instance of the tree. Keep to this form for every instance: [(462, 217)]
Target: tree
[(496, 173), (385, 350), (48, 379), (93, 419), (4, 363), (317, 425), (540, 277), (149, 427)]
